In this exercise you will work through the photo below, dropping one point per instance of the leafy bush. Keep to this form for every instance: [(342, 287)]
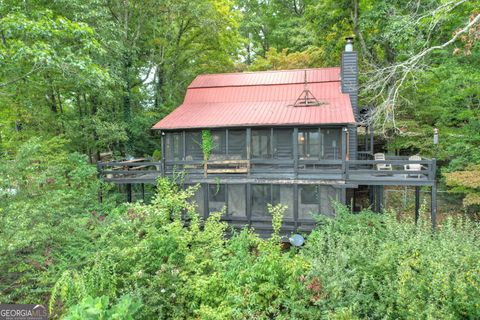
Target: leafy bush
[(355, 266), (51, 221)]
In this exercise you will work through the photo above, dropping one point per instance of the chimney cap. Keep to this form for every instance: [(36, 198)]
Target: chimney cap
[(349, 44)]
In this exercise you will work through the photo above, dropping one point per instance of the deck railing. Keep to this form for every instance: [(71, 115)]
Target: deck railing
[(348, 170)]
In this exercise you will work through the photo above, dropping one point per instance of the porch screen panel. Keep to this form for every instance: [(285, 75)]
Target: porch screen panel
[(308, 199), (332, 144), (309, 143), (282, 143), (199, 199), (316, 199), (193, 142), (237, 148), (219, 144), (261, 144), (237, 200), (173, 146), (286, 198), (264, 194), (261, 195), (328, 195), (217, 197)]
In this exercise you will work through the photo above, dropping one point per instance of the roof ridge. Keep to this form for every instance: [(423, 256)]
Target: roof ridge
[(264, 71), (258, 84)]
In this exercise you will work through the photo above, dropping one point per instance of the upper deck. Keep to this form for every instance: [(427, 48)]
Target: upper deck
[(350, 173)]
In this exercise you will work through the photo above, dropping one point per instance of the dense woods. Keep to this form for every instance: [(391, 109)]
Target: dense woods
[(79, 78)]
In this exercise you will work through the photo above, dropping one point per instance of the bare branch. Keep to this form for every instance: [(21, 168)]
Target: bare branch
[(385, 83)]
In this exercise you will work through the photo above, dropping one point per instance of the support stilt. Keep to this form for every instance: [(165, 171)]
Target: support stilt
[(417, 204), (129, 192), (380, 198), (434, 206)]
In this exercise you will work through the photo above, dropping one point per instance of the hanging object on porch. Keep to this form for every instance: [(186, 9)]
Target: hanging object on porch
[(306, 98)]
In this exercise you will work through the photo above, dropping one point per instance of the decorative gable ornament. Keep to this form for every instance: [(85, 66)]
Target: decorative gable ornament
[(306, 98)]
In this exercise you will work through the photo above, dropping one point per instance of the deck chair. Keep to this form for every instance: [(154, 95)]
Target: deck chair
[(382, 166), (413, 166)]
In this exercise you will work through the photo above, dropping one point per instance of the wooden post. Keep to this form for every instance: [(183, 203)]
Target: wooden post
[(129, 192), (380, 198), (295, 152), (347, 156), (99, 175), (434, 206), (417, 204), (295, 206), (371, 140), (344, 151), (142, 186), (162, 166), (206, 206), (249, 203), (249, 143)]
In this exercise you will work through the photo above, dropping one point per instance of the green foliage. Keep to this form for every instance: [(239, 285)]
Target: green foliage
[(50, 221), (99, 309), (157, 155), (352, 267), (207, 144)]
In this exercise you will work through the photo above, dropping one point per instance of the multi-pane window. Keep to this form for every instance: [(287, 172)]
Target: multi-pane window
[(217, 197), (193, 145), (309, 144), (263, 194), (219, 142), (332, 139), (272, 143), (261, 148), (320, 143), (282, 143), (237, 200), (316, 199), (174, 146), (231, 196), (237, 144)]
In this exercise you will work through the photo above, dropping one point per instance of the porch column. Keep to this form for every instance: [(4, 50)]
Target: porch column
[(295, 152), (129, 192), (378, 190), (248, 137), (434, 206), (162, 165), (417, 204)]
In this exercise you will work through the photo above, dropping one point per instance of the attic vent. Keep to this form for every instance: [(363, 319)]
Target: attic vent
[(306, 98)]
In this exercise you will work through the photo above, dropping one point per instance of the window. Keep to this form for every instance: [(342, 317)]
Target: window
[(309, 194), (237, 200), (193, 145), (261, 144), (198, 198), (237, 144), (174, 146), (282, 143), (316, 199), (263, 194), (332, 144), (217, 197), (219, 142), (309, 143)]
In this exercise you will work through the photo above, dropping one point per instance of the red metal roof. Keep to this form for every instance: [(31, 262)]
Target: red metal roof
[(261, 98)]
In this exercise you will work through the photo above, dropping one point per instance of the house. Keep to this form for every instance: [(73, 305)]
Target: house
[(288, 136)]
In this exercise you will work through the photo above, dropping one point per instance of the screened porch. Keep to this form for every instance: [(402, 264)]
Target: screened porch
[(257, 150)]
